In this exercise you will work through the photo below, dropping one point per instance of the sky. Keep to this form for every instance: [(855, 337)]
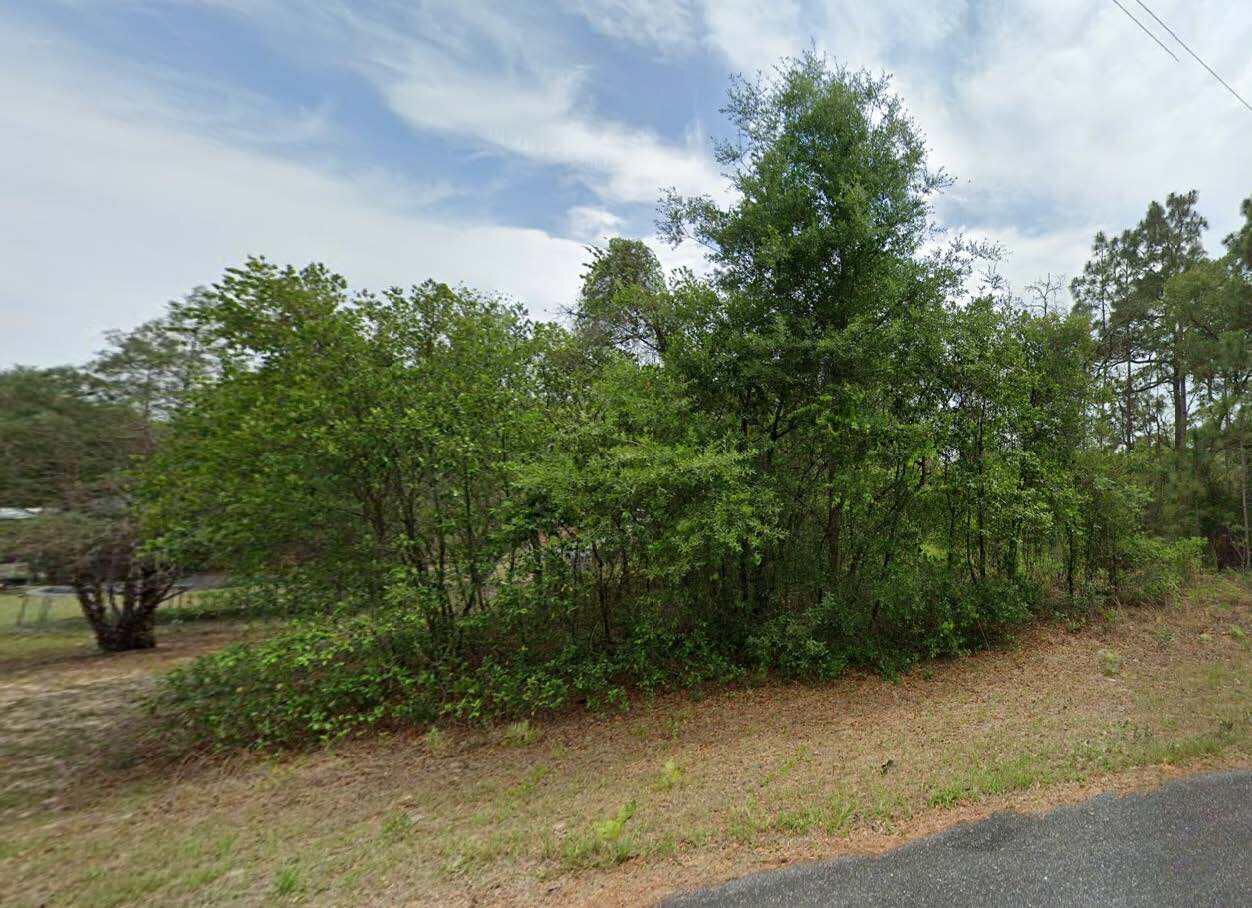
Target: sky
[(150, 144)]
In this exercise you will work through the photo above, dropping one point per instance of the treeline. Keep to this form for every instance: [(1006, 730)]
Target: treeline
[(1171, 331), (838, 448)]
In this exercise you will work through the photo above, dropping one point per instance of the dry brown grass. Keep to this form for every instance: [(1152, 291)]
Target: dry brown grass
[(624, 808)]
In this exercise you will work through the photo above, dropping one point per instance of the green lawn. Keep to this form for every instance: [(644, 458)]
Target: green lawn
[(39, 610)]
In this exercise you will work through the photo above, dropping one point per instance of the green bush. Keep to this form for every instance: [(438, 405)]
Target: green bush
[(1157, 569), (329, 677), (826, 453), (797, 646), (342, 674)]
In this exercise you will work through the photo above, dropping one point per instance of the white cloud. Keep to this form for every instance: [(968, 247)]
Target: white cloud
[(1059, 117), (670, 26), (537, 115), (492, 76), (754, 36), (1075, 117), (592, 225), (107, 216)]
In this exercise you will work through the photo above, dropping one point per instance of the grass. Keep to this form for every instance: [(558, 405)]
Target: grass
[(53, 628), (612, 807)]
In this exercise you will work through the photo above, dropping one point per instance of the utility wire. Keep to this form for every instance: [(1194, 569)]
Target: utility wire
[(1146, 31), (1193, 53)]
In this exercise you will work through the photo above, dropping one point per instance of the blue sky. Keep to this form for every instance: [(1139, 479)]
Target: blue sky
[(152, 143)]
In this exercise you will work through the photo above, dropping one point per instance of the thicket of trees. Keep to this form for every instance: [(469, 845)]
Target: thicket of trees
[(837, 448)]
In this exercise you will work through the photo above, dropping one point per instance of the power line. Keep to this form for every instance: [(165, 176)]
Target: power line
[(1146, 31), (1193, 53)]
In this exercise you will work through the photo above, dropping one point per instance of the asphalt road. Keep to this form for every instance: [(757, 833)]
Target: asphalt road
[(1189, 843)]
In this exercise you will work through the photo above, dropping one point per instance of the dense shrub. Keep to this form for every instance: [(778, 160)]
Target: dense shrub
[(329, 677), (1156, 569), (827, 452), (341, 674)]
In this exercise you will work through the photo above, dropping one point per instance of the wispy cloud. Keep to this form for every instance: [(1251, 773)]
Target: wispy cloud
[(669, 26), (117, 213), (486, 142), (1054, 115), (592, 225), (494, 77)]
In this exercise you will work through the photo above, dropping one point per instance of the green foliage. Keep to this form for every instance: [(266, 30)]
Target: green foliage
[(670, 777), (1110, 663), (60, 445), (610, 830), (1158, 569), (793, 646), (328, 678), (287, 882), (829, 453)]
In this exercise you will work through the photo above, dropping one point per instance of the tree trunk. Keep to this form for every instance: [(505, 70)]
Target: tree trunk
[(1243, 462), (1130, 435), (1180, 409), (130, 627), (136, 631)]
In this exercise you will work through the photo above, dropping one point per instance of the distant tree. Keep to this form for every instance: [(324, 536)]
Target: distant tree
[(1045, 293), (622, 302), (1240, 242), (69, 451), (58, 440), (97, 551), (1165, 243), (156, 367), (1213, 299)]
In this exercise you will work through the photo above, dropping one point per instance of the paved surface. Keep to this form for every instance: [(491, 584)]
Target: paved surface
[(1189, 843)]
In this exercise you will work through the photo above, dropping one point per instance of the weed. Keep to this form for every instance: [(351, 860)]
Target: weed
[(839, 812), (663, 847), (605, 847), (796, 822), (610, 830), (520, 733), (671, 776), (435, 740), (287, 882), (1110, 663), (885, 808), (1075, 624), (1188, 749), (1163, 635), (397, 826), (997, 777), (531, 781), (786, 767), (745, 823), (1238, 632)]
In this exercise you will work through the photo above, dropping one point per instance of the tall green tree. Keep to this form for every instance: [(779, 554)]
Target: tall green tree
[(352, 437)]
